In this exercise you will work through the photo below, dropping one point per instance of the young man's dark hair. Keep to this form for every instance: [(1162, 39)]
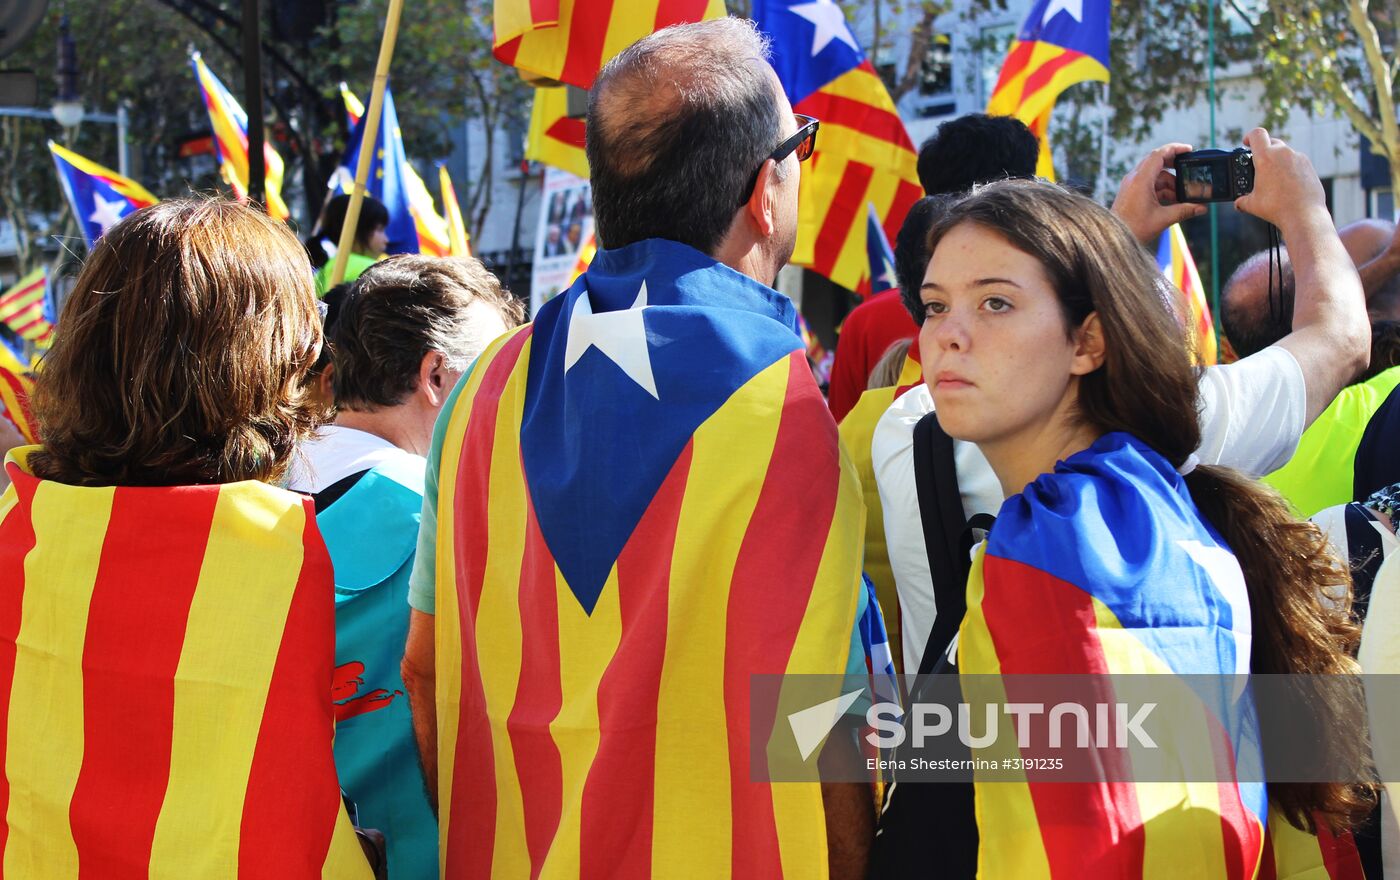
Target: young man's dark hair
[(974, 149), (681, 174), (401, 309), (911, 250)]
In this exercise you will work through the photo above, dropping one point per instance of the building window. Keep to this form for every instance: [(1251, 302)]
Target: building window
[(992, 45), (1383, 203)]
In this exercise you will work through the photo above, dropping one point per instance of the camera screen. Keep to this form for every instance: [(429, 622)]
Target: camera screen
[(1204, 180)]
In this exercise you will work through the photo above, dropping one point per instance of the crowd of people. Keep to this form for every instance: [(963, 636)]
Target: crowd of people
[(380, 580)]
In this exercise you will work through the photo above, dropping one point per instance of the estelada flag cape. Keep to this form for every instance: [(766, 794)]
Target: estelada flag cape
[(1105, 567), (165, 684), (643, 503)]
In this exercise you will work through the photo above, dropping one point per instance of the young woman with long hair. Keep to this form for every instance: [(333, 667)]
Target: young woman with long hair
[(1050, 342)]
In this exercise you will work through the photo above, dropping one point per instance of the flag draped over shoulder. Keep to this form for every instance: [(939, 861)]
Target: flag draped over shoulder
[(165, 671), (99, 197), (863, 156), (570, 40), (230, 124), (415, 226), (1105, 567), (1175, 261), (587, 250), (24, 308), (459, 243), (633, 530), (1060, 43)]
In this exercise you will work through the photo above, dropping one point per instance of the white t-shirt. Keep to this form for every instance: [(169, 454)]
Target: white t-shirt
[(337, 452), (1252, 413)]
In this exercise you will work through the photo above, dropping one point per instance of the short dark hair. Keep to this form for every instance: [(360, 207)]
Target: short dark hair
[(677, 124), (373, 214), (399, 310), (911, 250), (975, 149), (1249, 322)]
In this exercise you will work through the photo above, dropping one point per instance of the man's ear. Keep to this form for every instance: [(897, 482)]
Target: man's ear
[(1089, 349), (760, 206), (432, 379)]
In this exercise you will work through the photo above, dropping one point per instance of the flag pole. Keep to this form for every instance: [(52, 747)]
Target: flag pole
[(367, 142)]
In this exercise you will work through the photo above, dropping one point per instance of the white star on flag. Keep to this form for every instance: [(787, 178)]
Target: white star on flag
[(1075, 8), (830, 22), (620, 336), (887, 276), (108, 214)]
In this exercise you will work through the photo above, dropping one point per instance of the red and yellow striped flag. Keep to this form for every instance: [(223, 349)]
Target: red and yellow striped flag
[(15, 390), (1175, 260), (166, 664), (459, 242), (556, 138), (569, 41), (864, 160), (230, 124), (1061, 43), (22, 307)]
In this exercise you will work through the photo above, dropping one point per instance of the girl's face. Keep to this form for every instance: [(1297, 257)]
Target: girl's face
[(378, 241), (995, 352)]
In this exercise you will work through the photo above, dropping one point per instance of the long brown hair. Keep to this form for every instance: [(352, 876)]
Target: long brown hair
[(1147, 387), (181, 353)]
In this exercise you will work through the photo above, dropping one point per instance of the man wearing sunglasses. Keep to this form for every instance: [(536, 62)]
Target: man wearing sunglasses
[(638, 502)]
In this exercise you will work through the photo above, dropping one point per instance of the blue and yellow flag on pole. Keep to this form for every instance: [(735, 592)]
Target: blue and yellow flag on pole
[(1061, 42), (415, 226), (99, 196), (230, 125)]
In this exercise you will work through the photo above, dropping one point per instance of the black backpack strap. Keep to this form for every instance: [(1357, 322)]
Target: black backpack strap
[(945, 530)]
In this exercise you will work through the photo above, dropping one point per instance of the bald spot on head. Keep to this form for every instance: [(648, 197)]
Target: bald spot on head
[(1244, 304), (634, 103), (1365, 239)]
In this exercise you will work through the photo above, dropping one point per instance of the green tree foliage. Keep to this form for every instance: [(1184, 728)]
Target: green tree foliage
[(137, 52)]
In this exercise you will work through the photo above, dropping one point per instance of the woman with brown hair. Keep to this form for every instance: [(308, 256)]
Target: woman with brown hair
[(166, 618), (1048, 342)]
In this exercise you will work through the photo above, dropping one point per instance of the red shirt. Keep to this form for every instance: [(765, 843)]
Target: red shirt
[(867, 333)]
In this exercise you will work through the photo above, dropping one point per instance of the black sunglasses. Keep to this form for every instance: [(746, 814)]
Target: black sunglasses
[(804, 142)]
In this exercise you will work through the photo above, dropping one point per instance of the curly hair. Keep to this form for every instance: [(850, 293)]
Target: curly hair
[(182, 353)]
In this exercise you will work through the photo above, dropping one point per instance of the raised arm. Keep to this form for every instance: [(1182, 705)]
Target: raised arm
[(1331, 335)]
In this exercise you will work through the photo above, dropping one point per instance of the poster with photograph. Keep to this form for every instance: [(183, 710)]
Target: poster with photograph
[(566, 221)]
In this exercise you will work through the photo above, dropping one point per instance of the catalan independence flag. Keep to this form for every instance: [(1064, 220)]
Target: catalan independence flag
[(230, 124), (864, 155), (556, 138), (1061, 42), (99, 197), (1175, 261), (1048, 594), (459, 242), (623, 541), (354, 107), (166, 664), (24, 307), (569, 41), (16, 388), (415, 226)]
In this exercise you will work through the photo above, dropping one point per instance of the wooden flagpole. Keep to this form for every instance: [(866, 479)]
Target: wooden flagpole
[(367, 142)]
